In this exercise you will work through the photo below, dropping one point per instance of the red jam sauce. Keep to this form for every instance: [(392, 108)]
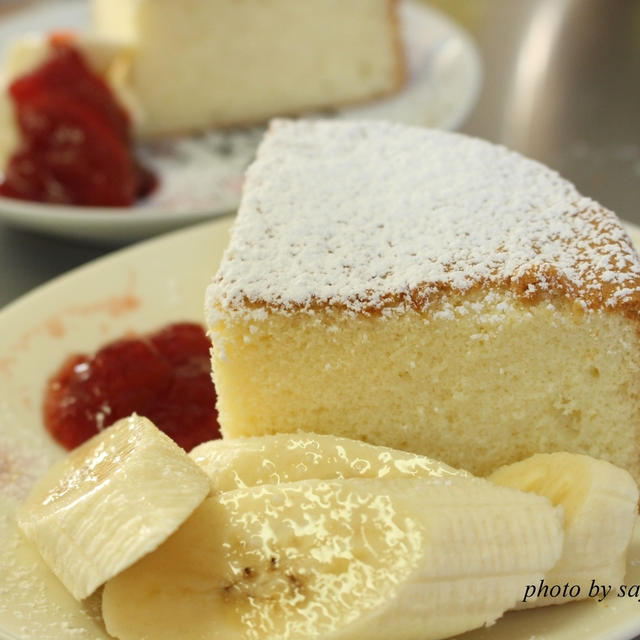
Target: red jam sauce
[(76, 145), (164, 376)]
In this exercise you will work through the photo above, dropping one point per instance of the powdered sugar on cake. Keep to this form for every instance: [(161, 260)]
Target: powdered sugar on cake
[(366, 215)]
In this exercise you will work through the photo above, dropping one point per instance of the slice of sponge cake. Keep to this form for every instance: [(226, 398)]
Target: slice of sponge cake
[(202, 63), (426, 291)]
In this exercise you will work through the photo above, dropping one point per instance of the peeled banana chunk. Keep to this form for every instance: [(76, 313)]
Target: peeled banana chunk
[(403, 558), (319, 537), (600, 503), (111, 501), (274, 459)]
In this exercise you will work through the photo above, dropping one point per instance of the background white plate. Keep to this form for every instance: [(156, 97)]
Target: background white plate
[(201, 176), (140, 289)]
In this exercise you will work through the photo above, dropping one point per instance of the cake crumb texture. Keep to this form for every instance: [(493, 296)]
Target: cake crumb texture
[(477, 382)]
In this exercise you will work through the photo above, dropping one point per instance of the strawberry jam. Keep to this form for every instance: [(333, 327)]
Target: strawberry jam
[(164, 376), (76, 145)]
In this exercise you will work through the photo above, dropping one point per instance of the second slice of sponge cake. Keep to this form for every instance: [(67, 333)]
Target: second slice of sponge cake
[(429, 292), (214, 63)]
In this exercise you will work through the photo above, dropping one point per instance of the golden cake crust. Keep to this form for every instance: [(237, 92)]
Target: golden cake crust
[(426, 213)]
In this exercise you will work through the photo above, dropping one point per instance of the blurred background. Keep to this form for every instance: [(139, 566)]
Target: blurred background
[(561, 84)]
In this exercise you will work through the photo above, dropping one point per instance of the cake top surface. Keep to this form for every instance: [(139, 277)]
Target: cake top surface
[(368, 215)]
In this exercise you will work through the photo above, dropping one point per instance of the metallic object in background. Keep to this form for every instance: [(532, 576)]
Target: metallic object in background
[(562, 85)]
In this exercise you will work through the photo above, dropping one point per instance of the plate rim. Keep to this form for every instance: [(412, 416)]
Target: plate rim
[(224, 222)]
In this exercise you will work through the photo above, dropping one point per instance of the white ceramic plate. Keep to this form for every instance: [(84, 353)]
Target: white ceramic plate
[(201, 176), (140, 289)]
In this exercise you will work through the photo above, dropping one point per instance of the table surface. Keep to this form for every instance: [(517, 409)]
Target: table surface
[(560, 85)]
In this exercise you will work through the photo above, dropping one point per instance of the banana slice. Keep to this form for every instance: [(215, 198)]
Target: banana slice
[(600, 504), (109, 502), (248, 462), (357, 558)]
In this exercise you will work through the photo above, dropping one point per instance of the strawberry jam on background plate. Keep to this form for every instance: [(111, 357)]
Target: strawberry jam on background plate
[(75, 138)]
